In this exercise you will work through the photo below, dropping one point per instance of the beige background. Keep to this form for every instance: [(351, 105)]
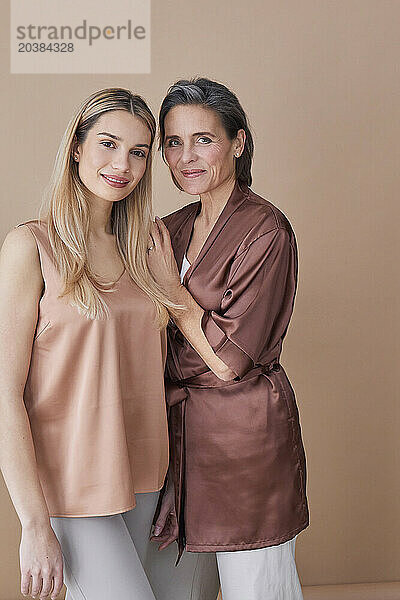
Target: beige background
[(320, 82)]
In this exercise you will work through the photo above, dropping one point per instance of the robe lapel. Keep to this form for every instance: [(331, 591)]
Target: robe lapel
[(237, 197), (180, 240)]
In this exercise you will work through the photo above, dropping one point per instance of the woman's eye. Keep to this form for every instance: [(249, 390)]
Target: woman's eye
[(173, 143), (139, 153), (107, 144), (204, 140)]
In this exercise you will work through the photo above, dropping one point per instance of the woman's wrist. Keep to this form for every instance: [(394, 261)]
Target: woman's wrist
[(178, 293), (35, 522)]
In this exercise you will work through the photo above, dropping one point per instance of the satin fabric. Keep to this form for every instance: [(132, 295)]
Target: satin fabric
[(95, 397), (237, 454)]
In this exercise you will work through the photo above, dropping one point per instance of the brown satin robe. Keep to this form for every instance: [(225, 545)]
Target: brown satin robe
[(237, 455)]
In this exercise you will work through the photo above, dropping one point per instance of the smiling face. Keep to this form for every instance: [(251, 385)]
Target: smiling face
[(197, 149), (112, 158)]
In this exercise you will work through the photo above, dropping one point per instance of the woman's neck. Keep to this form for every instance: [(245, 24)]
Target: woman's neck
[(100, 213), (214, 201)]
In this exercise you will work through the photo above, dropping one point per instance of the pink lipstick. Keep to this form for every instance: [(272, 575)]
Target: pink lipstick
[(192, 173), (116, 182)]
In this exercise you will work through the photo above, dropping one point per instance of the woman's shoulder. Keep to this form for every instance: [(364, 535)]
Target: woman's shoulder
[(260, 216), (257, 217), (19, 251), (22, 236), (38, 230), (30, 236), (33, 225), (265, 213)]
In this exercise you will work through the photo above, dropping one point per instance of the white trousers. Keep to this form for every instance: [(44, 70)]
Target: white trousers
[(112, 558), (264, 574)]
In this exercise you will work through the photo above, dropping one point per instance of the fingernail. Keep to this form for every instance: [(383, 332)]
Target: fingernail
[(157, 530)]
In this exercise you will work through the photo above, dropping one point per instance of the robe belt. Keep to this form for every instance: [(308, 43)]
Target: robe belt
[(177, 392)]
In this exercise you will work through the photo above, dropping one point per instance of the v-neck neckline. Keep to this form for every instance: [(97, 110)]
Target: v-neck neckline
[(236, 197)]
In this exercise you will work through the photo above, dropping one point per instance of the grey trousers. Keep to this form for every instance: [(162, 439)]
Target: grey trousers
[(112, 558), (107, 558)]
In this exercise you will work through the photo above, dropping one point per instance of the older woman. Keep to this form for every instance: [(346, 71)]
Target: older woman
[(238, 463)]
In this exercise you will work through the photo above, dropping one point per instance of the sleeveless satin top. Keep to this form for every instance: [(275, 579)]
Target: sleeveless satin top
[(95, 397)]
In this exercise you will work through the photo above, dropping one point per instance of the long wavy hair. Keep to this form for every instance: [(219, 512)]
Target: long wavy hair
[(67, 209)]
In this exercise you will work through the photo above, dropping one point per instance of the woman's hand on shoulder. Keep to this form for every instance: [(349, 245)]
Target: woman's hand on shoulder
[(161, 259)]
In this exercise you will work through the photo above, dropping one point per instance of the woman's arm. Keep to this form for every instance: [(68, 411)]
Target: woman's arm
[(163, 265), (21, 284), (189, 322), (253, 317)]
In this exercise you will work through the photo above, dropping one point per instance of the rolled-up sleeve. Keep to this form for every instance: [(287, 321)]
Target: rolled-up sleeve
[(257, 303)]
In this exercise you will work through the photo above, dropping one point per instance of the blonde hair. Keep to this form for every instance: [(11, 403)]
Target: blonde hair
[(68, 214)]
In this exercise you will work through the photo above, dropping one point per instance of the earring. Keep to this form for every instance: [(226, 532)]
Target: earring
[(237, 154)]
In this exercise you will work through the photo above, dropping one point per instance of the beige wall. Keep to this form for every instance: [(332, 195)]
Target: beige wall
[(320, 82)]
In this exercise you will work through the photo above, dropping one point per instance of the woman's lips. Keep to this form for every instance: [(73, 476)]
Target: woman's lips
[(192, 173), (117, 182)]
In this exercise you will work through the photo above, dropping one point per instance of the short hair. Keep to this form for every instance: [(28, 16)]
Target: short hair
[(217, 97)]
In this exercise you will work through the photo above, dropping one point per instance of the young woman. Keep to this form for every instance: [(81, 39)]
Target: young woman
[(238, 464), (83, 424)]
